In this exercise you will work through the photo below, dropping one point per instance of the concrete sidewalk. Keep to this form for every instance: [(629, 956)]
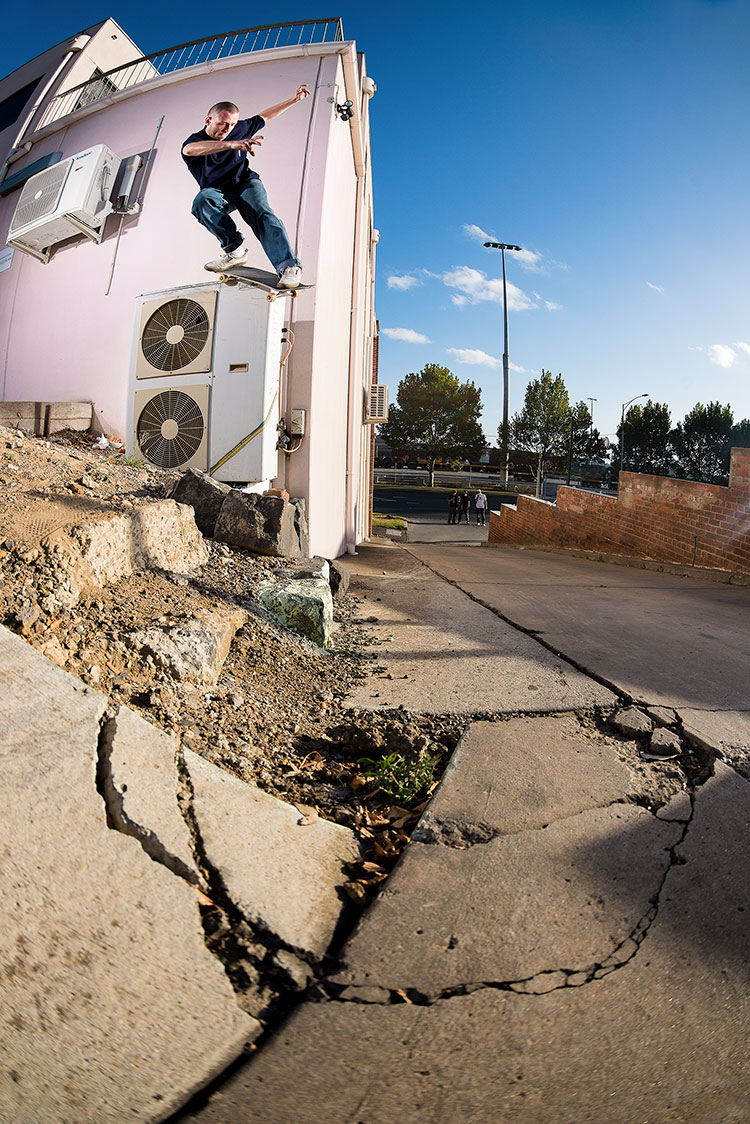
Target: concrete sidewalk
[(566, 938)]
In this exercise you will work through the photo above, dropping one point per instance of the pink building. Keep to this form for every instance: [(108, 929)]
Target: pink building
[(102, 254)]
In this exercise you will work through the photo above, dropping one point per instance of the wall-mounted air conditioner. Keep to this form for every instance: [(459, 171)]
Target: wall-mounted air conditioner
[(205, 376), (376, 405), (72, 197)]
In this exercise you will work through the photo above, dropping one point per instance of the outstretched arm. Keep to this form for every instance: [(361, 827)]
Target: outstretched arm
[(205, 148), (301, 93)]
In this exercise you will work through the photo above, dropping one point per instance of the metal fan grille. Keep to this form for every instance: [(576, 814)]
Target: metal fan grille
[(175, 334), (40, 195), (170, 429)]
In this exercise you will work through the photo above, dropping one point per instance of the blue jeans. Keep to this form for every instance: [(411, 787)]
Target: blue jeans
[(212, 207)]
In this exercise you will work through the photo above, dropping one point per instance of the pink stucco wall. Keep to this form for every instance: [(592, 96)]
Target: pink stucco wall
[(62, 338)]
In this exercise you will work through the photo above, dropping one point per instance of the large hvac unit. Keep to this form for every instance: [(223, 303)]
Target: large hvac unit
[(205, 380), (72, 197)]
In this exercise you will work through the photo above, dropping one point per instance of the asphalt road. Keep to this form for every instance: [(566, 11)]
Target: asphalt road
[(426, 510)]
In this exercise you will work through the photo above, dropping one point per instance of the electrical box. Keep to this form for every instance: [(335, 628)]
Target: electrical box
[(297, 423)]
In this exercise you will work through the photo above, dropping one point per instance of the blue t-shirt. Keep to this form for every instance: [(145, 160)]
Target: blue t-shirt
[(228, 169)]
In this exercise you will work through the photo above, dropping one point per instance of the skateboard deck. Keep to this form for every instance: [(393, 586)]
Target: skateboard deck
[(249, 276)]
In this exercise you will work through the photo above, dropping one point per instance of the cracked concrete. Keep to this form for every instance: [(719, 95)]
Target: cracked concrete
[(565, 942), (110, 996)]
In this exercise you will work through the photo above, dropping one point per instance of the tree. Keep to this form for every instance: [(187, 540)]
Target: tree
[(648, 440), (588, 443), (542, 426), (436, 417), (702, 443)]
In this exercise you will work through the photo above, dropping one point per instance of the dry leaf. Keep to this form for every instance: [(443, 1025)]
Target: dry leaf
[(308, 815), (356, 891)]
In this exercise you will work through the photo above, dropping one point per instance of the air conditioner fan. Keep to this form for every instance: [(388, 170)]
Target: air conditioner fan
[(175, 334), (170, 428)]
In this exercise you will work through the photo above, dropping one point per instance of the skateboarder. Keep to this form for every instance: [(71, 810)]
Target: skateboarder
[(217, 157), (480, 505)]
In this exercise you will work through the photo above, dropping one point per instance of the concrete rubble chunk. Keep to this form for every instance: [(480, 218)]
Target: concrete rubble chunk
[(113, 1007), (340, 577), (282, 875), (264, 524), (631, 722), (664, 743), (141, 787), (316, 567), (304, 605), (156, 536), (194, 651), (204, 494)]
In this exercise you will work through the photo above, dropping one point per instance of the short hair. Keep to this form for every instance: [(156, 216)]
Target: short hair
[(223, 107)]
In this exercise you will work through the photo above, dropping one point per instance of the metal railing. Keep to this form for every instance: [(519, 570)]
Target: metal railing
[(196, 53)]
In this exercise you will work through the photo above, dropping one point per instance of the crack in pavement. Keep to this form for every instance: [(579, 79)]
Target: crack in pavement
[(541, 983), (531, 633), (117, 817)]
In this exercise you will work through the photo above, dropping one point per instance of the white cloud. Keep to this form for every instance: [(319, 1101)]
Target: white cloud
[(473, 357), (404, 282), (529, 260), (722, 355), (476, 232), (406, 335), (656, 288), (552, 306), (475, 286), (458, 300), (743, 346)]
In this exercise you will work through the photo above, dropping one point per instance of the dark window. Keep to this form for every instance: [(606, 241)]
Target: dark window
[(12, 107)]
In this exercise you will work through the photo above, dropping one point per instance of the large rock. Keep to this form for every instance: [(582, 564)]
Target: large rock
[(195, 650), (304, 605), (264, 524), (204, 494), (339, 577)]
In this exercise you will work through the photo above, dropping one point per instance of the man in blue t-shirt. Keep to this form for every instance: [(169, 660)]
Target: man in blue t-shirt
[(217, 157)]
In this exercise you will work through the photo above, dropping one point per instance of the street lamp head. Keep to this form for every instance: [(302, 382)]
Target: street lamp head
[(501, 246)]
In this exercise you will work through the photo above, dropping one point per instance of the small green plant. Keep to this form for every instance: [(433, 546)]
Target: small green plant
[(133, 462), (398, 778)]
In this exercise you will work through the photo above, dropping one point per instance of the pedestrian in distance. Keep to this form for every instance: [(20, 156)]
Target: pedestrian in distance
[(464, 506), (480, 505), (453, 506), (217, 157)]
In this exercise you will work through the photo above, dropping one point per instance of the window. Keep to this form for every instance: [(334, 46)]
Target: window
[(12, 107)]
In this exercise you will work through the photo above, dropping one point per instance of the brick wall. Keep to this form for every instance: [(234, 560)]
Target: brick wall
[(654, 517)]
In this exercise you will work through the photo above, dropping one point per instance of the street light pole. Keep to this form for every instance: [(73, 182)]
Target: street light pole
[(503, 246), (622, 427)]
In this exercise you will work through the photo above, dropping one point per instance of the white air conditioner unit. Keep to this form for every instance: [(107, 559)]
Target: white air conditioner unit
[(205, 376), (72, 197), (377, 404)]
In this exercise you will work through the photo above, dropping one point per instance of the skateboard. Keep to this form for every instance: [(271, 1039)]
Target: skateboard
[(246, 276)]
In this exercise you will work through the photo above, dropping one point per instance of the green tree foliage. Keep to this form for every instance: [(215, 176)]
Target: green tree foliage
[(702, 443), (648, 440), (588, 443), (436, 417), (542, 426)]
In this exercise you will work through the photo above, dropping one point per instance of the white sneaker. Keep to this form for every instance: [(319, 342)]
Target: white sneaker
[(290, 277), (226, 261)]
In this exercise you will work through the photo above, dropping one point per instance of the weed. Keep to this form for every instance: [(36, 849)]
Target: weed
[(398, 778), (133, 462)]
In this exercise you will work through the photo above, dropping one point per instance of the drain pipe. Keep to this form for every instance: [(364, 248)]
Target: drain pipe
[(16, 150), (355, 403)]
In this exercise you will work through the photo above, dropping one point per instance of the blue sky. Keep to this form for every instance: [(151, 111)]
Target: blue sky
[(610, 141)]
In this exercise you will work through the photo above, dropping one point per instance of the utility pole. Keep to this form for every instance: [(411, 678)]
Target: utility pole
[(503, 246)]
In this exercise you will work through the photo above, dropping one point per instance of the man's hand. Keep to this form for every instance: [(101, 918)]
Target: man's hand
[(300, 94), (246, 145)]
